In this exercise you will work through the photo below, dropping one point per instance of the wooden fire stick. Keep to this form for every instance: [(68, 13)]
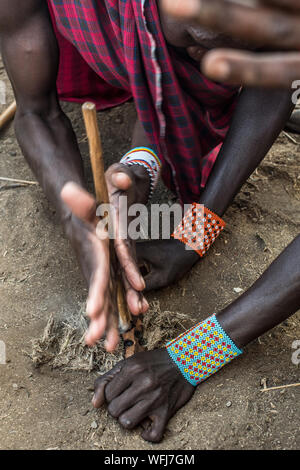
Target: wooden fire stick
[(8, 114), (127, 327)]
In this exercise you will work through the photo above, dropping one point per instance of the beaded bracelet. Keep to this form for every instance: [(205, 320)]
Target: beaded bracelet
[(202, 351), (199, 228), (145, 157)]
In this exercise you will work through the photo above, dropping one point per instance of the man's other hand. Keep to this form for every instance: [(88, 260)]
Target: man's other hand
[(134, 183), (272, 24), (147, 389)]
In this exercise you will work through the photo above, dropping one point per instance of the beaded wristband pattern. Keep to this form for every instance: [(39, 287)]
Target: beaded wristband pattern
[(202, 351), (145, 157), (199, 228)]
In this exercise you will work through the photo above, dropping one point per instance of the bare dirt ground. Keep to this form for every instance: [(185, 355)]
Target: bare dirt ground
[(46, 408)]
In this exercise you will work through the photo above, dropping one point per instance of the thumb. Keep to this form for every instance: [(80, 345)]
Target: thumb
[(121, 180), (82, 204), (99, 395)]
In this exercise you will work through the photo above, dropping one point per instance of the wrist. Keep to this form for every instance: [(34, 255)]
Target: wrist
[(184, 252), (234, 319), (215, 202), (173, 371)]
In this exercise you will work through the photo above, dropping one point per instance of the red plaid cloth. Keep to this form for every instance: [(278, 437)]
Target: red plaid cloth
[(185, 115), (78, 82)]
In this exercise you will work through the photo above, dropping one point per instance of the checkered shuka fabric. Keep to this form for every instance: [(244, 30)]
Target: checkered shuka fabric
[(185, 115)]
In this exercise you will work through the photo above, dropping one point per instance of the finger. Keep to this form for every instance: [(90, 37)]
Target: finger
[(106, 322), (99, 395), (112, 334), (112, 339), (145, 305), (119, 384), (261, 26), (157, 428), (99, 284), (124, 248), (132, 297), (81, 203), (136, 302), (181, 8), (252, 69), (146, 423), (101, 382), (132, 395), (129, 265), (285, 4), (136, 414), (96, 330)]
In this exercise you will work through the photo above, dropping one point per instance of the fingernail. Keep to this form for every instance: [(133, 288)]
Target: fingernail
[(88, 306), (183, 7), (89, 339), (90, 309), (143, 282), (221, 70), (191, 7), (107, 346)]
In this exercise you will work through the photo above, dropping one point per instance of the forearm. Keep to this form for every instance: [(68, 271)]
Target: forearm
[(31, 57), (259, 117), (272, 299), (50, 148)]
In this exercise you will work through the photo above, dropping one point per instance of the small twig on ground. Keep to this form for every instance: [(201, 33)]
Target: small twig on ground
[(4, 187), (13, 180), (291, 138), (280, 387)]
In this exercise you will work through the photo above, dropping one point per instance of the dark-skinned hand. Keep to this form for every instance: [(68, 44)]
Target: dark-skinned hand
[(134, 183), (147, 389), (93, 253), (273, 24), (167, 261)]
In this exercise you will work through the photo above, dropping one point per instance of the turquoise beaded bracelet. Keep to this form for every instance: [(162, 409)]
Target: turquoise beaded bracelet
[(202, 351)]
